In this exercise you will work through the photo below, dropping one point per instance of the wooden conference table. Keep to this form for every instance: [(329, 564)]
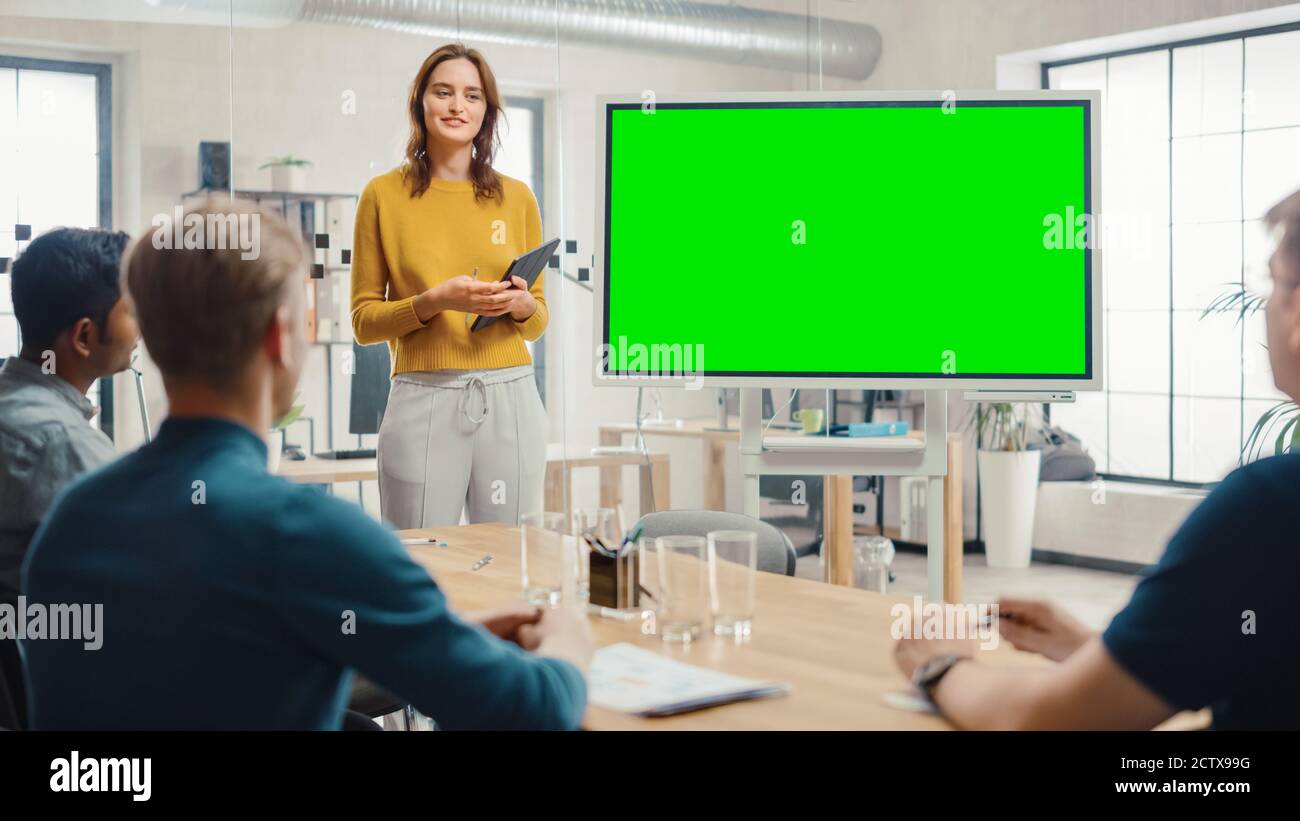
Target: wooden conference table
[(831, 643)]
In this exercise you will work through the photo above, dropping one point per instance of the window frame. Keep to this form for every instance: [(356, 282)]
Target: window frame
[(537, 106), (1045, 68)]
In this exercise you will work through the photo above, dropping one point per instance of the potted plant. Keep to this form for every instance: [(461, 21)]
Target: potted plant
[(1008, 482), (273, 440), (287, 172), (1282, 419)]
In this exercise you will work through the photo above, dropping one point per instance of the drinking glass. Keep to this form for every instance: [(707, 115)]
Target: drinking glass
[(872, 556), (733, 565), (546, 557), (683, 602)]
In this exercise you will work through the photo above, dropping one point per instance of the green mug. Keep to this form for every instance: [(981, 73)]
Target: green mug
[(811, 419)]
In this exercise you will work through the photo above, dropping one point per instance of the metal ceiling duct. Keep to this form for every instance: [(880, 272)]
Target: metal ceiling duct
[(704, 31)]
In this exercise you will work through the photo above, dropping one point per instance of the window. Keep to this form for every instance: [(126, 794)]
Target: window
[(521, 143), (1198, 140), (521, 157), (55, 164)]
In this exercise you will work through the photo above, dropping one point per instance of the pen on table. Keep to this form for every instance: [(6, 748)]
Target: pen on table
[(434, 542), (619, 521), (481, 563), (988, 620), (611, 613), (594, 542), (631, 537)]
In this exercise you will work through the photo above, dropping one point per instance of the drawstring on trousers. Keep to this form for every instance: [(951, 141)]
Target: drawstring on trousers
[(473, 380)]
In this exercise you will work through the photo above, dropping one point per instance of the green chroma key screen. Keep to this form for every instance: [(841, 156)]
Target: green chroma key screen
[(850, 239)]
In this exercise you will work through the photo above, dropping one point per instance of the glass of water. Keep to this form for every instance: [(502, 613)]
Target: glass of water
[(683, 602), (733, 565), (872, 556), (545, 557)]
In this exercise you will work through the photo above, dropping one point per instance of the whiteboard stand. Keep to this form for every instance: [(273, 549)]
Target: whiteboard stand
[(777, 454)]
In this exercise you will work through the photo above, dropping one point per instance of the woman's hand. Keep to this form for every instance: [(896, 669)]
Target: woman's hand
[(522, 302), (467, 294), (1041, 627)]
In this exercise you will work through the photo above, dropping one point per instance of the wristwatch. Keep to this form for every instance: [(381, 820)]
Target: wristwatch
[(927, 676)]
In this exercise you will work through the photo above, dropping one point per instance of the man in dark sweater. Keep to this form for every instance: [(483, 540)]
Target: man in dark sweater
[(233, 598), (1214, 625)]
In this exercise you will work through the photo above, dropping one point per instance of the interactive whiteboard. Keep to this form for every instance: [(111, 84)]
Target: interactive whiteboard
[(849, 239)]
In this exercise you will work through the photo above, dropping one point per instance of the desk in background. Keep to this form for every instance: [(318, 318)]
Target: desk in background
[(653, 478), (838, 496), (314, 471), (558, 483)]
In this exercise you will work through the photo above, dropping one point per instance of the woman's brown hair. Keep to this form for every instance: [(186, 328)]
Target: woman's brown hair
[(416, 170)]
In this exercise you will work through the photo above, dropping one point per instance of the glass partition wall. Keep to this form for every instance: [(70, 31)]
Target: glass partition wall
[(301, 114), (334, 95), (108, 113), (650, 58), (322, 110)]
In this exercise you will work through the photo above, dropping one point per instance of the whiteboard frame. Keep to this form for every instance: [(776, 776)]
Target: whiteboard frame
[(954, 382)]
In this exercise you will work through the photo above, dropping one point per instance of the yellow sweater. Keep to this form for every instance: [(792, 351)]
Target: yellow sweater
[(404, 246)]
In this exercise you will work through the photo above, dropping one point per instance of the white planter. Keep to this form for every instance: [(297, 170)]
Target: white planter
[(288, 178), (273, 452), (1008, 494)]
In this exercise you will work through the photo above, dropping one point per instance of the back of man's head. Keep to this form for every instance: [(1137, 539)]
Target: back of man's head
[(1284, 220), (204, 311), (63, 276), (1282, 310)]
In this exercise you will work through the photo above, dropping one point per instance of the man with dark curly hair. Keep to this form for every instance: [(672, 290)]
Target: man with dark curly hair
[(76, 328)]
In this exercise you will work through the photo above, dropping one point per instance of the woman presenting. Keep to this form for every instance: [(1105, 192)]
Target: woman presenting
[(465, 427)]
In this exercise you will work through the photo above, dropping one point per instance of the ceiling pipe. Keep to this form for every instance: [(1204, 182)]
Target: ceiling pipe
[(720, 33)]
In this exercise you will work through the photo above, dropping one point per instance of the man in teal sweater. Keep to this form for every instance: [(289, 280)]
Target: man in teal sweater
[(233, 598)]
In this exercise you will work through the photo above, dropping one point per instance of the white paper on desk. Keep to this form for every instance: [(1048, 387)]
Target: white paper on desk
[(630, 679)]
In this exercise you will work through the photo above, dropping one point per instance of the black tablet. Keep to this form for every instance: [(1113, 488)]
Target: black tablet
[(525, 266)]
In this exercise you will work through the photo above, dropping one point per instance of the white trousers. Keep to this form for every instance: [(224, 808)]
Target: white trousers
[(455, 439)]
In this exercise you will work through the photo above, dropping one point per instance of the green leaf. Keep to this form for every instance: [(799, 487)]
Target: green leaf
[(1279, 447), (1253, 447), (289, 418), (287, 159), (1237, 300)]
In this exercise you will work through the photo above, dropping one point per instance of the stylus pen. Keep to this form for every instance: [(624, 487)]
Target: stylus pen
[(475, 275), (988, 620), (434, 542)]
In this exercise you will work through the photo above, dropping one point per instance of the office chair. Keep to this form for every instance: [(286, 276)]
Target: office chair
[(775, 552), (359, 722), (370, 701)]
